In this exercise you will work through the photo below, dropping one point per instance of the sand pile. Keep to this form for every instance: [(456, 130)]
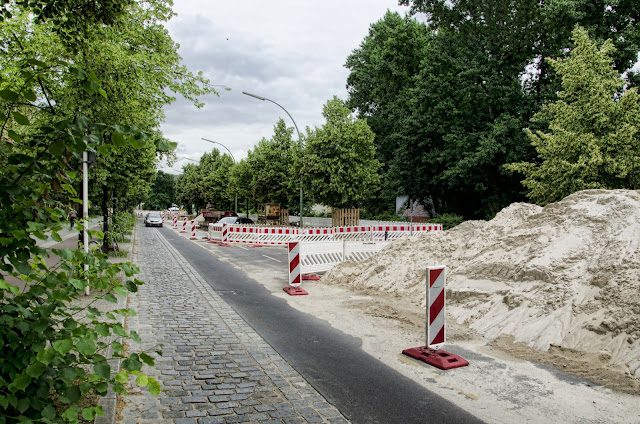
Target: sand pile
[(565, 275)]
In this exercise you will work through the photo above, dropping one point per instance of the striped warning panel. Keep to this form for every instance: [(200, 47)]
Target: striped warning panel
[(294, 264), (436, 278)]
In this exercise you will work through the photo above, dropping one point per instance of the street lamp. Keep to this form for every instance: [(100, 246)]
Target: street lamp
[(234, 161), (299, 138)]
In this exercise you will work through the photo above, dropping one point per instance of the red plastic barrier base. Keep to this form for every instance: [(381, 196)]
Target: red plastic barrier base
[(212, 241), (311, 277), (437, 358), (193, 238), (223, 244), (295, 291)]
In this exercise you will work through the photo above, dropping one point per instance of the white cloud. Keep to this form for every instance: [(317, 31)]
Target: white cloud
[(292, 52)]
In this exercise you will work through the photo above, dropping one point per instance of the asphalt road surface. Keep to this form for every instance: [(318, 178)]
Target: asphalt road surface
[(364, 389)]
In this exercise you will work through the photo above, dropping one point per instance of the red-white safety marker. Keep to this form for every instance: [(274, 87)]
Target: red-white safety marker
[(175, 222), (225, 236), (184, 226), (193, 231), (295, 278), (436, 329)]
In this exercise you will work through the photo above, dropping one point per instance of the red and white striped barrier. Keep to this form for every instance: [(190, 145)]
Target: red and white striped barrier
[(175, 222), (295, 278), (436, 297), (352, 233), (252, 235), (225, 235), (436, 330), (193, 231), (184, 226)]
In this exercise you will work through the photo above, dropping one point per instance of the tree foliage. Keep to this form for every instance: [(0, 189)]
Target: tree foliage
[(594, 128), (187, 187), (214, 174), (273, 167), (448, 100), (339, 164), (162, 192), (383, 72), (138, 66), (207, 182), (67, 77)]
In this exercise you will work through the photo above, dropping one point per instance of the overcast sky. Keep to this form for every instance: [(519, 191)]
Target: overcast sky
[(292, 52)]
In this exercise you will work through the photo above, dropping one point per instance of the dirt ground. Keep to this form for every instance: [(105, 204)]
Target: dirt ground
[(505, 382), (592, 367)]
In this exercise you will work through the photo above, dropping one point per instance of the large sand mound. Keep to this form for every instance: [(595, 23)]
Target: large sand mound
[(564, 275)]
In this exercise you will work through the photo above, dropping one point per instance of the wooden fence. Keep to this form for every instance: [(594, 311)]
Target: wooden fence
[(345, 217)]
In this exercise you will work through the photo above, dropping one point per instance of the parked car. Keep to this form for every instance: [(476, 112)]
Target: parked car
[(235, 220), (153, 219)]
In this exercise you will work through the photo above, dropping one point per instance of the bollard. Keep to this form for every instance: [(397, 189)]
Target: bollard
[(295, 278), (225, 236), (193, 231), (436, 301)]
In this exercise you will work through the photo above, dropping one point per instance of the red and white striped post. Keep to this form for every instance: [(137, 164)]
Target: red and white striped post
[(175, 222), (225, 236), (184, 226), (295, 278), (436, 297), (436, 329), (193, 231)]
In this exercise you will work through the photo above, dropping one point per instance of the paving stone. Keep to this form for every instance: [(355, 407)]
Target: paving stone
[(214, 368), (196, 414), (237, 419), (283, 413), (211, 420), (194, 399), (173, 414), (220, 411)]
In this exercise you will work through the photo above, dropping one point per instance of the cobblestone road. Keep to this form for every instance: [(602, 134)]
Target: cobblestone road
[(215, 368)]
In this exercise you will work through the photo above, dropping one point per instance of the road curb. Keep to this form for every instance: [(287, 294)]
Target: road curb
[(109, 402)]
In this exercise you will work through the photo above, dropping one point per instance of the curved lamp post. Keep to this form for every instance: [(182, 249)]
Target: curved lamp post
[(299, 138), (234, 161)]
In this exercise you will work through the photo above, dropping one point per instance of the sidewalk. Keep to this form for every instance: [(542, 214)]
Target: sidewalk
[(215, 368)]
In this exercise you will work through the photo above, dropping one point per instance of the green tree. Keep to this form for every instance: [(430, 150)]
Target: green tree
[(163, 192), (594, 128), (383, 72), (53, 107), (447, 106), (240, 180), (339, 165), (187, 187), (448, 101), (214, 176), (207, 182), (138, 66), (273, 168)]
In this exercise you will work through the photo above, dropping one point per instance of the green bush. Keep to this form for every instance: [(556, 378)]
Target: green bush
[(447, 220)]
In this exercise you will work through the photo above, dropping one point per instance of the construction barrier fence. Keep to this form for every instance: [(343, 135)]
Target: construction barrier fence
[(270, 236)]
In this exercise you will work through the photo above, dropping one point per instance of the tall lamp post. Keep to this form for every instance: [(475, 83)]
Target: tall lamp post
[(299, 138), (234, 161)]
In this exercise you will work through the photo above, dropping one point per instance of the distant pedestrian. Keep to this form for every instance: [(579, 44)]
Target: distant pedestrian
[(72, 217)]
